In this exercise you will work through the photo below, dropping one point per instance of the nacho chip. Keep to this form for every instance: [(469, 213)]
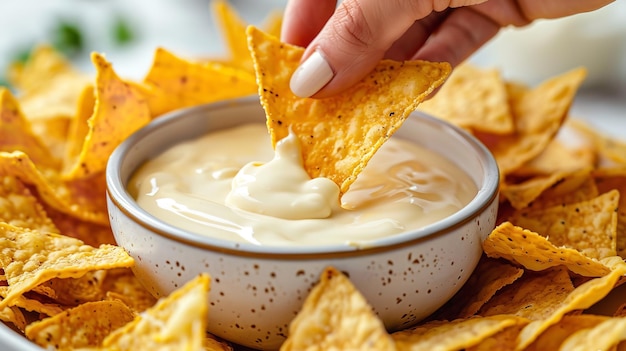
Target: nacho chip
[(489, 276), (600, 337), (536, 253), (504, 340), (79, 126), (33, 302), (336, 316), (74, 291), (176, 322), (44, 63), (30, 258), (553, 337), (338, 135), (473, 98), (14, 316), (582, 297), (589, 226), (233, 30), (557, 157), (534, 296), (454, 335), (538, 114), (123, 285), (609, 147), (120, 110), (16, 133), (614, 178), (173, 83), (84, 326), (20, 208)]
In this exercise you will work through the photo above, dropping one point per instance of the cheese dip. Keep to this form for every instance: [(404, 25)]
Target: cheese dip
[(231, 184)]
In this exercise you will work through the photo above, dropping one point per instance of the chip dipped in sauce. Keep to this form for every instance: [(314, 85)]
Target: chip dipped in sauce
[(231, 184)]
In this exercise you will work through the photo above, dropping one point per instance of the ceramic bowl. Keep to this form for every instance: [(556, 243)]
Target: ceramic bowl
[(257, 290)]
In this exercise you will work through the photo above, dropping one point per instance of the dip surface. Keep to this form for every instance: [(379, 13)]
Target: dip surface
[(231, 184)]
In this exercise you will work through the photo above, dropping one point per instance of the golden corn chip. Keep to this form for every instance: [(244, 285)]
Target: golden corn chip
[(335, 316), (16, 133), (83, 326), (233, 30), (273, 25), (83, 198), (557, 157), (489, 276), (589, 226), (74, 291), (559, 187), (609, 147), (504, 340), (174, 83), (123, 285), (536, 253), (582, 297), (600, 337), (30, 258), (176, 322), (33, 302), (120, 110), (473, 98), (538, 114), (20, 208), (338, 135), (14, 316), (44, 63), (553, 337), (608, 179), (534, 296), (78, 127), (454, 335)]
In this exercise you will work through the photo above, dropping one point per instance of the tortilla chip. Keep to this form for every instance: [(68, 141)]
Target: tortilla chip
[(538, 114), (534, 296), (78, 127), (536, 253), (336, 316), (608, 179), (610, 148), (489, 276), (454, 335), (75, 291), (31, 258), (123, 285), (557, 157), (589, 226), (581, 298), (173, 83), (120, 110), (338, 135), (553, 337), (504, 340), (36, 303), (177, 322), (84, 326), (44, 63), (16, 133), (233, 30), (473, 98), (20, 208), (14, 316)]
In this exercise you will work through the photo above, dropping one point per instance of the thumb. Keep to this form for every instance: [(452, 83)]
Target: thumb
[(355, 39)]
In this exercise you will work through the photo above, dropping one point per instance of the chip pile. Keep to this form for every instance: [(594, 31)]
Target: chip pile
[(557, 251)]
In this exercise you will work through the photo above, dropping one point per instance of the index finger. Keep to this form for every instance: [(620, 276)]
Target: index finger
[(304, 19)]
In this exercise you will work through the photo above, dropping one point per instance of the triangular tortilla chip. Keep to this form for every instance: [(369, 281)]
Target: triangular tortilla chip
[(340, 134)]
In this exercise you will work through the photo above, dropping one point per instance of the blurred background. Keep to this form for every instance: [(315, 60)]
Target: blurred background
[(128, 31)]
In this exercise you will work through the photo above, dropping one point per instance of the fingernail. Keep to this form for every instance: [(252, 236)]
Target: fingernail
[(312, 75)]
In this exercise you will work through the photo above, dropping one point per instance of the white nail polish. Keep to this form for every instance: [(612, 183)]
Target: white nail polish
[(312, 75)]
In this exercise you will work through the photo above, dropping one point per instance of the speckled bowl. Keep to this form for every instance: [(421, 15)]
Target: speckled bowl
[(257, 290)]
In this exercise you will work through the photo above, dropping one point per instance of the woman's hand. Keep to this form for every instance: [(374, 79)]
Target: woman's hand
[(345, 43)]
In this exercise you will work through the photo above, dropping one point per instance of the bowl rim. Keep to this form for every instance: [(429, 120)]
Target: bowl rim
[(120, 198)]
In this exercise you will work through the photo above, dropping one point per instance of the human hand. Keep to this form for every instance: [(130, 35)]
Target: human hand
[(345, 43)]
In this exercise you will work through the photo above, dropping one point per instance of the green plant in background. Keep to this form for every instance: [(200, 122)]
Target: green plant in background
[(67, 37)]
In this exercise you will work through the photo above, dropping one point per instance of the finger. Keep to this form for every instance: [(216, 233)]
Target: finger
[(462, 32), (352, 42), (303, 20), (535, 9), (406, 47)]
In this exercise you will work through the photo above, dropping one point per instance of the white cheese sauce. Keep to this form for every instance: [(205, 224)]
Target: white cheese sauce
[(231, 184)]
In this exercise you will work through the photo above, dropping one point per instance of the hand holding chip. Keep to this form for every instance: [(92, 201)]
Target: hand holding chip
[(343, 45)]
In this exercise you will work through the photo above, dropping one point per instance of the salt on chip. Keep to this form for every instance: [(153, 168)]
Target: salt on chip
[(173, 83), (589, 226), (176, 322), (120, 110), (16, 133), (538, 114), (584, 296), (83, 326), (454, 335), (335, 316), (534, 296), (473, 98), (536, 253), (30, 258), (339, 134)]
